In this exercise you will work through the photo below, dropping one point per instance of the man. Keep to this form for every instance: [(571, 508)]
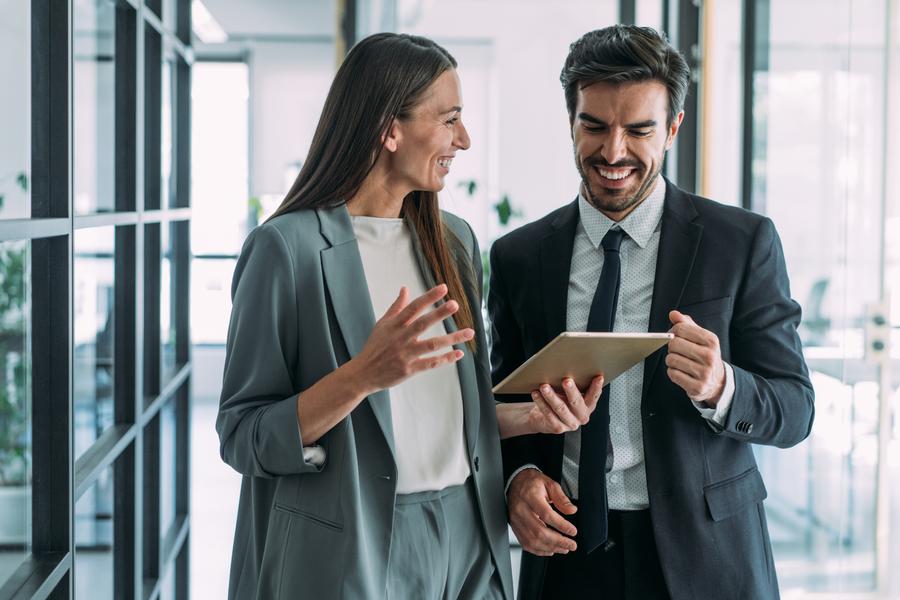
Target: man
[(658, 495)]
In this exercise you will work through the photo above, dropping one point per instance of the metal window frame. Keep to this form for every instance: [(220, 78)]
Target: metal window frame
[(755, 58), (131, 446), (627, 12)]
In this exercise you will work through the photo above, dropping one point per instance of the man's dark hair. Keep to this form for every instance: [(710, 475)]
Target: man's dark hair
[(624, 53)]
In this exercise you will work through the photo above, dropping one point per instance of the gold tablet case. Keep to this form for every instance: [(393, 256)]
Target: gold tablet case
[(582, 356)]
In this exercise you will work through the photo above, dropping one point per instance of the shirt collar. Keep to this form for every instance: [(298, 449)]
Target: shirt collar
[(639, 225)]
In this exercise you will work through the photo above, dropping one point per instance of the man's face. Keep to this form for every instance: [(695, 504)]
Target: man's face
[(620, 138)]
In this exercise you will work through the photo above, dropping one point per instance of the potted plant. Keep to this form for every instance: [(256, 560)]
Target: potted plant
[(15, 388), (21, 181)]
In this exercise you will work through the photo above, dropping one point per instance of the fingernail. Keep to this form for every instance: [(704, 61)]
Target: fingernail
[(569, 383), (545, 389)]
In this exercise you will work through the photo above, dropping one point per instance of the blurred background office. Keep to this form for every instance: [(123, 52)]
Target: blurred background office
[(140, 140)]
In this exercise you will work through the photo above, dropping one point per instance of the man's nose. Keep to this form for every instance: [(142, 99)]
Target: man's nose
[(614, 148)]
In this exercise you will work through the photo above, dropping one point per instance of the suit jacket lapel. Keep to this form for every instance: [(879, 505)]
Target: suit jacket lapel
[(466, 366), (678, 243), (556, 262), (345, 283)]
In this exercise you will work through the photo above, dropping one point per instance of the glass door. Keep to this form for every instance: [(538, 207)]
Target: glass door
[(821, 169)]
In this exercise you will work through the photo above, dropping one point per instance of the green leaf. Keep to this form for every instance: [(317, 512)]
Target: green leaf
[(504, 210), (470, 185), (22, 180)]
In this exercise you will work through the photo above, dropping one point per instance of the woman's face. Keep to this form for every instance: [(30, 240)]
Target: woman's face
[(428, 140)]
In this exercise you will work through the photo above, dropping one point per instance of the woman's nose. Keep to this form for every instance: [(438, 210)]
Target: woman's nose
[(462, 140)]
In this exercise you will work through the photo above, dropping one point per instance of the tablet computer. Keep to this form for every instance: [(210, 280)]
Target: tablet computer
[(582, 356)]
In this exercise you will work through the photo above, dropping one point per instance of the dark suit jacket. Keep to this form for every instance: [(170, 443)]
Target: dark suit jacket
[(724, 267), (301, 308)]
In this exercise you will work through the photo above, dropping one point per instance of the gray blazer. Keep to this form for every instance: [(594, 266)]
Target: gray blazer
[(301, 308)]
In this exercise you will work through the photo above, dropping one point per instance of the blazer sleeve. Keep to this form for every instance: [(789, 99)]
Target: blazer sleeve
[(507, 353), (773, 402), (257, 422)]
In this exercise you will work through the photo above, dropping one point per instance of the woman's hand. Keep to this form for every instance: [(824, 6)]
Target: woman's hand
[(394, 351), (549, 411)]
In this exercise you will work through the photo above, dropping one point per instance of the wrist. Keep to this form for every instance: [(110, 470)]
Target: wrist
[(714, 398), (512, 417), (354, 380), (522, 418)]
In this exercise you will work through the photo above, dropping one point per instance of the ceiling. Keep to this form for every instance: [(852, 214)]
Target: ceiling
[(273, 19)]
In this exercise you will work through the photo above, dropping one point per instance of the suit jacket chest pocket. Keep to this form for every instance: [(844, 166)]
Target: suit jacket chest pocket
[(713, 314), (316, 496)]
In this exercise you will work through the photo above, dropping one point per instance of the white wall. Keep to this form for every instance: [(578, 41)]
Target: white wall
[(522, 115), (288, 85)]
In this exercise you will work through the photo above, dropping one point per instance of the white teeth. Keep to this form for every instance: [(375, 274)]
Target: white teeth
[(614, 175), (445, 162)]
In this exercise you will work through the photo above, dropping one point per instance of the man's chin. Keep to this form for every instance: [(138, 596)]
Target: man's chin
[(611, 200)]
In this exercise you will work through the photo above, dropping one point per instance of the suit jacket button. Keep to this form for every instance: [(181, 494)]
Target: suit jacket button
[(476, 464), (749, 427)]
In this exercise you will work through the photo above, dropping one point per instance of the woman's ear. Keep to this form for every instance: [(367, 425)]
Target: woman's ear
[(391, 138)]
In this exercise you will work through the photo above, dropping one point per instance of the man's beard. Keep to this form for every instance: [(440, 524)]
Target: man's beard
[(614, 204)]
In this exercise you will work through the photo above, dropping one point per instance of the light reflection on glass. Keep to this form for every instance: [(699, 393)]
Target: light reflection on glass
[(15, 406), (93, 334), (93, 91)]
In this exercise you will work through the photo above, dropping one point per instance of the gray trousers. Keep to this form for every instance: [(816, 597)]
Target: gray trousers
[(439, 550)]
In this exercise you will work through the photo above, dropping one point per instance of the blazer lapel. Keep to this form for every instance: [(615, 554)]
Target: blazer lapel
[(465, 366), (345, 283), (556, 262), (678, 243)]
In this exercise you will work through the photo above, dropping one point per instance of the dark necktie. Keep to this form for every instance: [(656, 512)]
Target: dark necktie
[(596, 449)]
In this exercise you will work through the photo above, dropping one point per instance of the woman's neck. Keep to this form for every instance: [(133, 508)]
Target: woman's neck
[(377, 197)]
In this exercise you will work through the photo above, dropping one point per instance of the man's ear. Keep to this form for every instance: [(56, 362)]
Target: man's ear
[(390, 139), (673, 130)]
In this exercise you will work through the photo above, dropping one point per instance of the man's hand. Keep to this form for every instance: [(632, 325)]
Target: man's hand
[(532, 496), (694, 360)]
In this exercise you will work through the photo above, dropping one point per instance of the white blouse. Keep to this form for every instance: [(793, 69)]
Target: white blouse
[(427, 408)]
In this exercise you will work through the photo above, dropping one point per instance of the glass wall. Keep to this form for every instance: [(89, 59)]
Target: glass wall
[(94, 335), (94, 91), (819, 161), (15, 109), (15, 405), (94, 355)]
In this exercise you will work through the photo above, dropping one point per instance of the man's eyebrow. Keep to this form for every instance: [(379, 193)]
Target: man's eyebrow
[(639, 125), (590, 119)]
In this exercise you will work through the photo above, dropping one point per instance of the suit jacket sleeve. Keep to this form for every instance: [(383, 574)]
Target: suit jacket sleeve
[(257, 420), (773, 392), (507, 353)]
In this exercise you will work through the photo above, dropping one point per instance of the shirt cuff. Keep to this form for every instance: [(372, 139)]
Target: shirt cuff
[(718, 414), (516, 472), (313, 455)]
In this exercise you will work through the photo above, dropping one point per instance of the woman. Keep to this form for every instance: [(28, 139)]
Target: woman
[(350, 491)]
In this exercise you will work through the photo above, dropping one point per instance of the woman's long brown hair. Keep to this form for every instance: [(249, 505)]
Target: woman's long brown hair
[(382, 78)]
